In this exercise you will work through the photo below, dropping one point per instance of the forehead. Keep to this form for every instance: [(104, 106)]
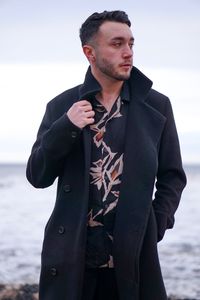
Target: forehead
[(111, 30)]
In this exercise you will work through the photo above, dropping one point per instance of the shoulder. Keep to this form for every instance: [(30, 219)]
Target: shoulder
[(158, 101), (70, 95), (60, 104)]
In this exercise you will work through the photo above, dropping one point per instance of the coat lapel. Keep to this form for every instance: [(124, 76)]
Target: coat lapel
[(144, 128)]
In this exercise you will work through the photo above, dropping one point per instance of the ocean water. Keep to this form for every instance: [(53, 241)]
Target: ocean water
[(25, 210)]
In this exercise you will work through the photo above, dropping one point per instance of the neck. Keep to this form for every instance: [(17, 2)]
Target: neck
[(111, 89)]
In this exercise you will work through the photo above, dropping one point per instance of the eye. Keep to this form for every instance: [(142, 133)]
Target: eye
[(131, 45), (117, 44)]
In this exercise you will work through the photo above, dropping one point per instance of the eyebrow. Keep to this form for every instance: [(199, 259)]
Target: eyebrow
[(120, 38)]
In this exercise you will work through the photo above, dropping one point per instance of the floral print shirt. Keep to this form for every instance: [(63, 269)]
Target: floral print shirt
[(108, 135)]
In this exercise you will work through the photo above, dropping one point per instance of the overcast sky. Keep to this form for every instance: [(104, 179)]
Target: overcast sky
[(41, 56)]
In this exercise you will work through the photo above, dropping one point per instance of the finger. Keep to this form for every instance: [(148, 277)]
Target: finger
[(89, 121), (89, 114), (83, 102), (87, 107)]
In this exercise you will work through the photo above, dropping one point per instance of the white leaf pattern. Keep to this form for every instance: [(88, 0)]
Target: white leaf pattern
[(106, 171)]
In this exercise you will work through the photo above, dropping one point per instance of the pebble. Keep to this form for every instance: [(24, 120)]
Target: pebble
[(30, 292)]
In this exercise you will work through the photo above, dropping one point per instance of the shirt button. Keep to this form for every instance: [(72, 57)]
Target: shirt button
[(74, 134), (61, 229), (54, 272), (67, 188)]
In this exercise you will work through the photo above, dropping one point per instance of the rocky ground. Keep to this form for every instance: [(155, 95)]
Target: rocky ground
[(19, 292), (30, 292)]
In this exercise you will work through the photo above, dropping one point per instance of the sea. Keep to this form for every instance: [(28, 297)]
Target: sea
[(25, 210)]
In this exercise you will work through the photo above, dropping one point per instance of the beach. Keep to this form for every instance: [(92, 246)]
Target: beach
[(25, 211), (30, 292)]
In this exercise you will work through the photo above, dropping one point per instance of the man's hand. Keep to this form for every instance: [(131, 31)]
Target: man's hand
[(81, 113)]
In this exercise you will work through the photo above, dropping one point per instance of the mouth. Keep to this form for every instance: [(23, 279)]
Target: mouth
[(126, 65)]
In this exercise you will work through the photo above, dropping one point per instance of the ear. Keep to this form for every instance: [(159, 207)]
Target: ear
[(89, 52)]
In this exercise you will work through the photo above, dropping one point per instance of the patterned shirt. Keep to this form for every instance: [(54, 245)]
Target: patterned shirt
[(108, 135)]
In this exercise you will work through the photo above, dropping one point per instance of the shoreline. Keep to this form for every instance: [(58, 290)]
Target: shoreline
[(30, 292)]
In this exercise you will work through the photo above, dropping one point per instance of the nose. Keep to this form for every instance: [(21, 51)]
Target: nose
[(127, 51)]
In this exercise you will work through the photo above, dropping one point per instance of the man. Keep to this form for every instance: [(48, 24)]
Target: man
[(108, 141)]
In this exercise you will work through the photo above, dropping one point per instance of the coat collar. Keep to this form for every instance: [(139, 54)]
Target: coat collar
[(138, 82), (140, 85), (90, 87)]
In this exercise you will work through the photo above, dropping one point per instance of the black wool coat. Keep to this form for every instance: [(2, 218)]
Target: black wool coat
[(151, 159)]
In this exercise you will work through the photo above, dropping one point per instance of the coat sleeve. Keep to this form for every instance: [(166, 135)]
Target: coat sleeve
[(55, 139), (171, 178)]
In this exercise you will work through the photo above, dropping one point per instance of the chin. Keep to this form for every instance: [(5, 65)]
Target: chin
[(124, 76)]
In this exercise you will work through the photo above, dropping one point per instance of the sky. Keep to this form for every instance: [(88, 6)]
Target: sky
[(41, 56)]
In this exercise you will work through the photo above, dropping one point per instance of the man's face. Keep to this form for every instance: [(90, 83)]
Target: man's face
[(113, 50)]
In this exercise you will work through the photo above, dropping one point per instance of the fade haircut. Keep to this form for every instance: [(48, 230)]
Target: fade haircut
[(91, 25)]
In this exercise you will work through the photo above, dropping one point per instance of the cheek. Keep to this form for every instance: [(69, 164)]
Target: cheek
[(113, 58), (111, 53)]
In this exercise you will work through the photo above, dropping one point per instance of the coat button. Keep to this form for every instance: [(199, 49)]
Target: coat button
[(74, 134), (61, 229), (53, 271), (67, 188)]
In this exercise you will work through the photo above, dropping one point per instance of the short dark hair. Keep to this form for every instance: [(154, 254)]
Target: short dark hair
[(91, 25)]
